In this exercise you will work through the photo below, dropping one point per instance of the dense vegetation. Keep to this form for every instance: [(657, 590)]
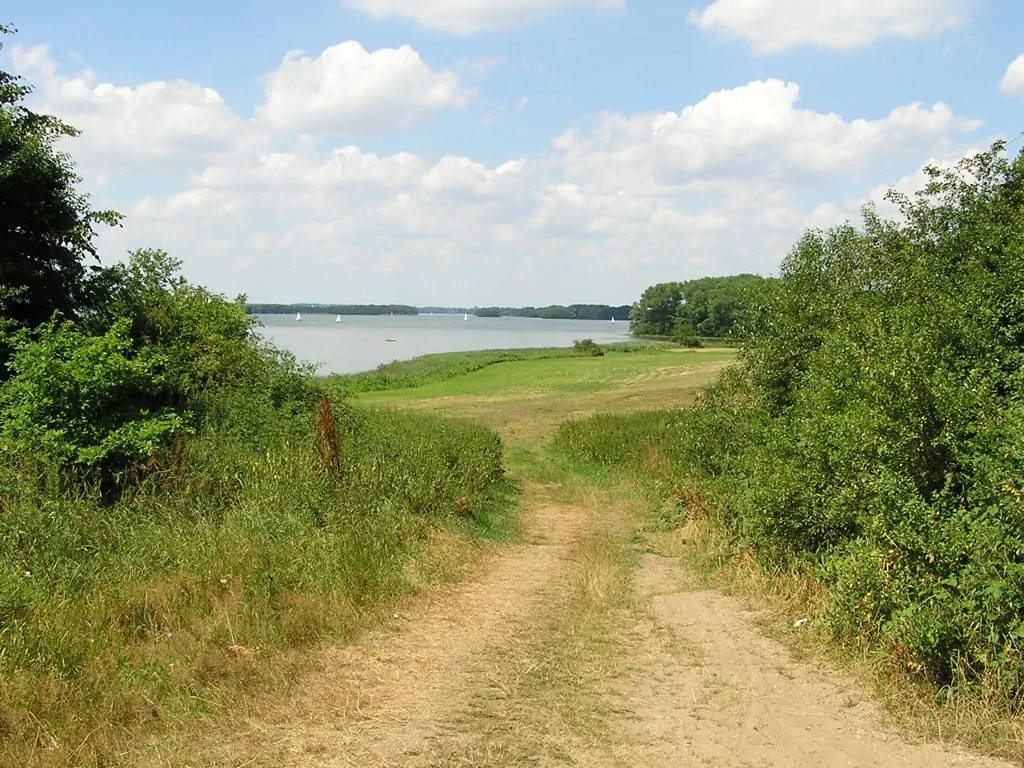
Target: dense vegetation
[(872, 433), (708, 307), (179, 501), (330, 309)]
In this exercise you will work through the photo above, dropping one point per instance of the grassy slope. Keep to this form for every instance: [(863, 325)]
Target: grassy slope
[(129, 619), (448, 365), (525, 400)]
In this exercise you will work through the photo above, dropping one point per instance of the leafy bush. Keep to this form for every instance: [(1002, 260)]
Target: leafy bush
[(587, 347), (85, 402), (873, 432), (685, 335)]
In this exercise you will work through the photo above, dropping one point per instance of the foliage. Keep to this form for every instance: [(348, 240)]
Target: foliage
[(716, 306), (685, 335), (156, 356), (587, 347), (655, 313), (84, 401), (46, 225), (210, 344), (874, 430), (710, 306)]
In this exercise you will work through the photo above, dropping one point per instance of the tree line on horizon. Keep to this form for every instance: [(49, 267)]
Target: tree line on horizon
[(559, 312), (330, 309), (551, 312)]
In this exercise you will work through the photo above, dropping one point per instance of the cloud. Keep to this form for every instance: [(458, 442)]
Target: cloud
[(775, 25), (755, 130), (134, 127), (464, 17), (1012, 83), (348, 91), (722, 185)]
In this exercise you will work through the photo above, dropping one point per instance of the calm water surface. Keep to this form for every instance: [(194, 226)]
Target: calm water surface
[(359, 343)]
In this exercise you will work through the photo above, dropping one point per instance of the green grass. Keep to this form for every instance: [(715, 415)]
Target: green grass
[(553, 376), (447, 365), (119, 619)]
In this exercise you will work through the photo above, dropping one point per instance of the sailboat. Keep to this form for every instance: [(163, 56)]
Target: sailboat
[(337, 319), (465, 317), (613, 319), (298, 316)]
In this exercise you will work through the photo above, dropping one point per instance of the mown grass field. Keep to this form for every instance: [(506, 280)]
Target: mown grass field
[(527, 399)]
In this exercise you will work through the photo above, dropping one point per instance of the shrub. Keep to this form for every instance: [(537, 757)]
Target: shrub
[(90, 403), (873, 432), (587, 347)]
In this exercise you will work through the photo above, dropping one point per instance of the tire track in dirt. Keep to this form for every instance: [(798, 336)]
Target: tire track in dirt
[(714, 691), (386, 698)]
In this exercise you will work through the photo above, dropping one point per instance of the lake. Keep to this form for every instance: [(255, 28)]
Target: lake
[(358, 342)]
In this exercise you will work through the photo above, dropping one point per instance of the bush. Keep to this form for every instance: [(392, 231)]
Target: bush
[(873, 432), (587, 347), (90, 403)]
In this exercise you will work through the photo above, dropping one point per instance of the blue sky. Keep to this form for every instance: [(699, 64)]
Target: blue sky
[(507, 151)]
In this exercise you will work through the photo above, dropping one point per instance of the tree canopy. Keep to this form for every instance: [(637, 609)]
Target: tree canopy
[(709, 306), (46, 225)]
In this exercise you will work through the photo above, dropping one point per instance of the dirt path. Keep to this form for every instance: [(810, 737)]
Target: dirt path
[(509, 668), (732, 697), (570, 648), (387, 698)]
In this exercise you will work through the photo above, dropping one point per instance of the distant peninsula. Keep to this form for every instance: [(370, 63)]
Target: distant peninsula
[(550, 312)]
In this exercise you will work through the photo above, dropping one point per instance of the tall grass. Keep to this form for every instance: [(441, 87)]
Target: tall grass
[(115, 617)]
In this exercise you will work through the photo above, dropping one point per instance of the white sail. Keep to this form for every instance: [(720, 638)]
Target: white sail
[(298, 315), (613, 319), (465, 317), (337, 319)]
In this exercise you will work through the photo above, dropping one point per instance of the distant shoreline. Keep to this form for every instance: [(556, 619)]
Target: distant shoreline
[(550, 312)]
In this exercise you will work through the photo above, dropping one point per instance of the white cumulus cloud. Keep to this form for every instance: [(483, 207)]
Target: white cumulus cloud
[(134, 126), (1012, 83), (775, 25), (752, 131), (724, 184), (347, 90), (465, 17)]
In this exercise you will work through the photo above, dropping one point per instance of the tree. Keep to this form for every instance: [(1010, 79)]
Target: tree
[(46, 225), (655, 313), (715, 306)]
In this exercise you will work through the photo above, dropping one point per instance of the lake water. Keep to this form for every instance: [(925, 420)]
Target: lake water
[(358, 342)]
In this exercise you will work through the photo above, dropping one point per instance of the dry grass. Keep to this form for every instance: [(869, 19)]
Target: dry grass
[(546, 699)]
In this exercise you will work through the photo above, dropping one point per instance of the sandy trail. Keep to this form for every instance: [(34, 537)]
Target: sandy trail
[(388, 697), (704, 686), (729, 696), (684, 676)]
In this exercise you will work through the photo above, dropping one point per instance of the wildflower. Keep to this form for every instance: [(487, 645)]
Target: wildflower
[(28, 573)]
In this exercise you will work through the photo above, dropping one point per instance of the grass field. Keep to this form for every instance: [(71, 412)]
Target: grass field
[(443, 366), (525, 399)]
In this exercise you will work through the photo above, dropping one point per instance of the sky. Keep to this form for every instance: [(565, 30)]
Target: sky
[(506, 152)]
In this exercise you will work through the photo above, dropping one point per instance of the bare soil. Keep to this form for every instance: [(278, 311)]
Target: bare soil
[(571, 647)]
